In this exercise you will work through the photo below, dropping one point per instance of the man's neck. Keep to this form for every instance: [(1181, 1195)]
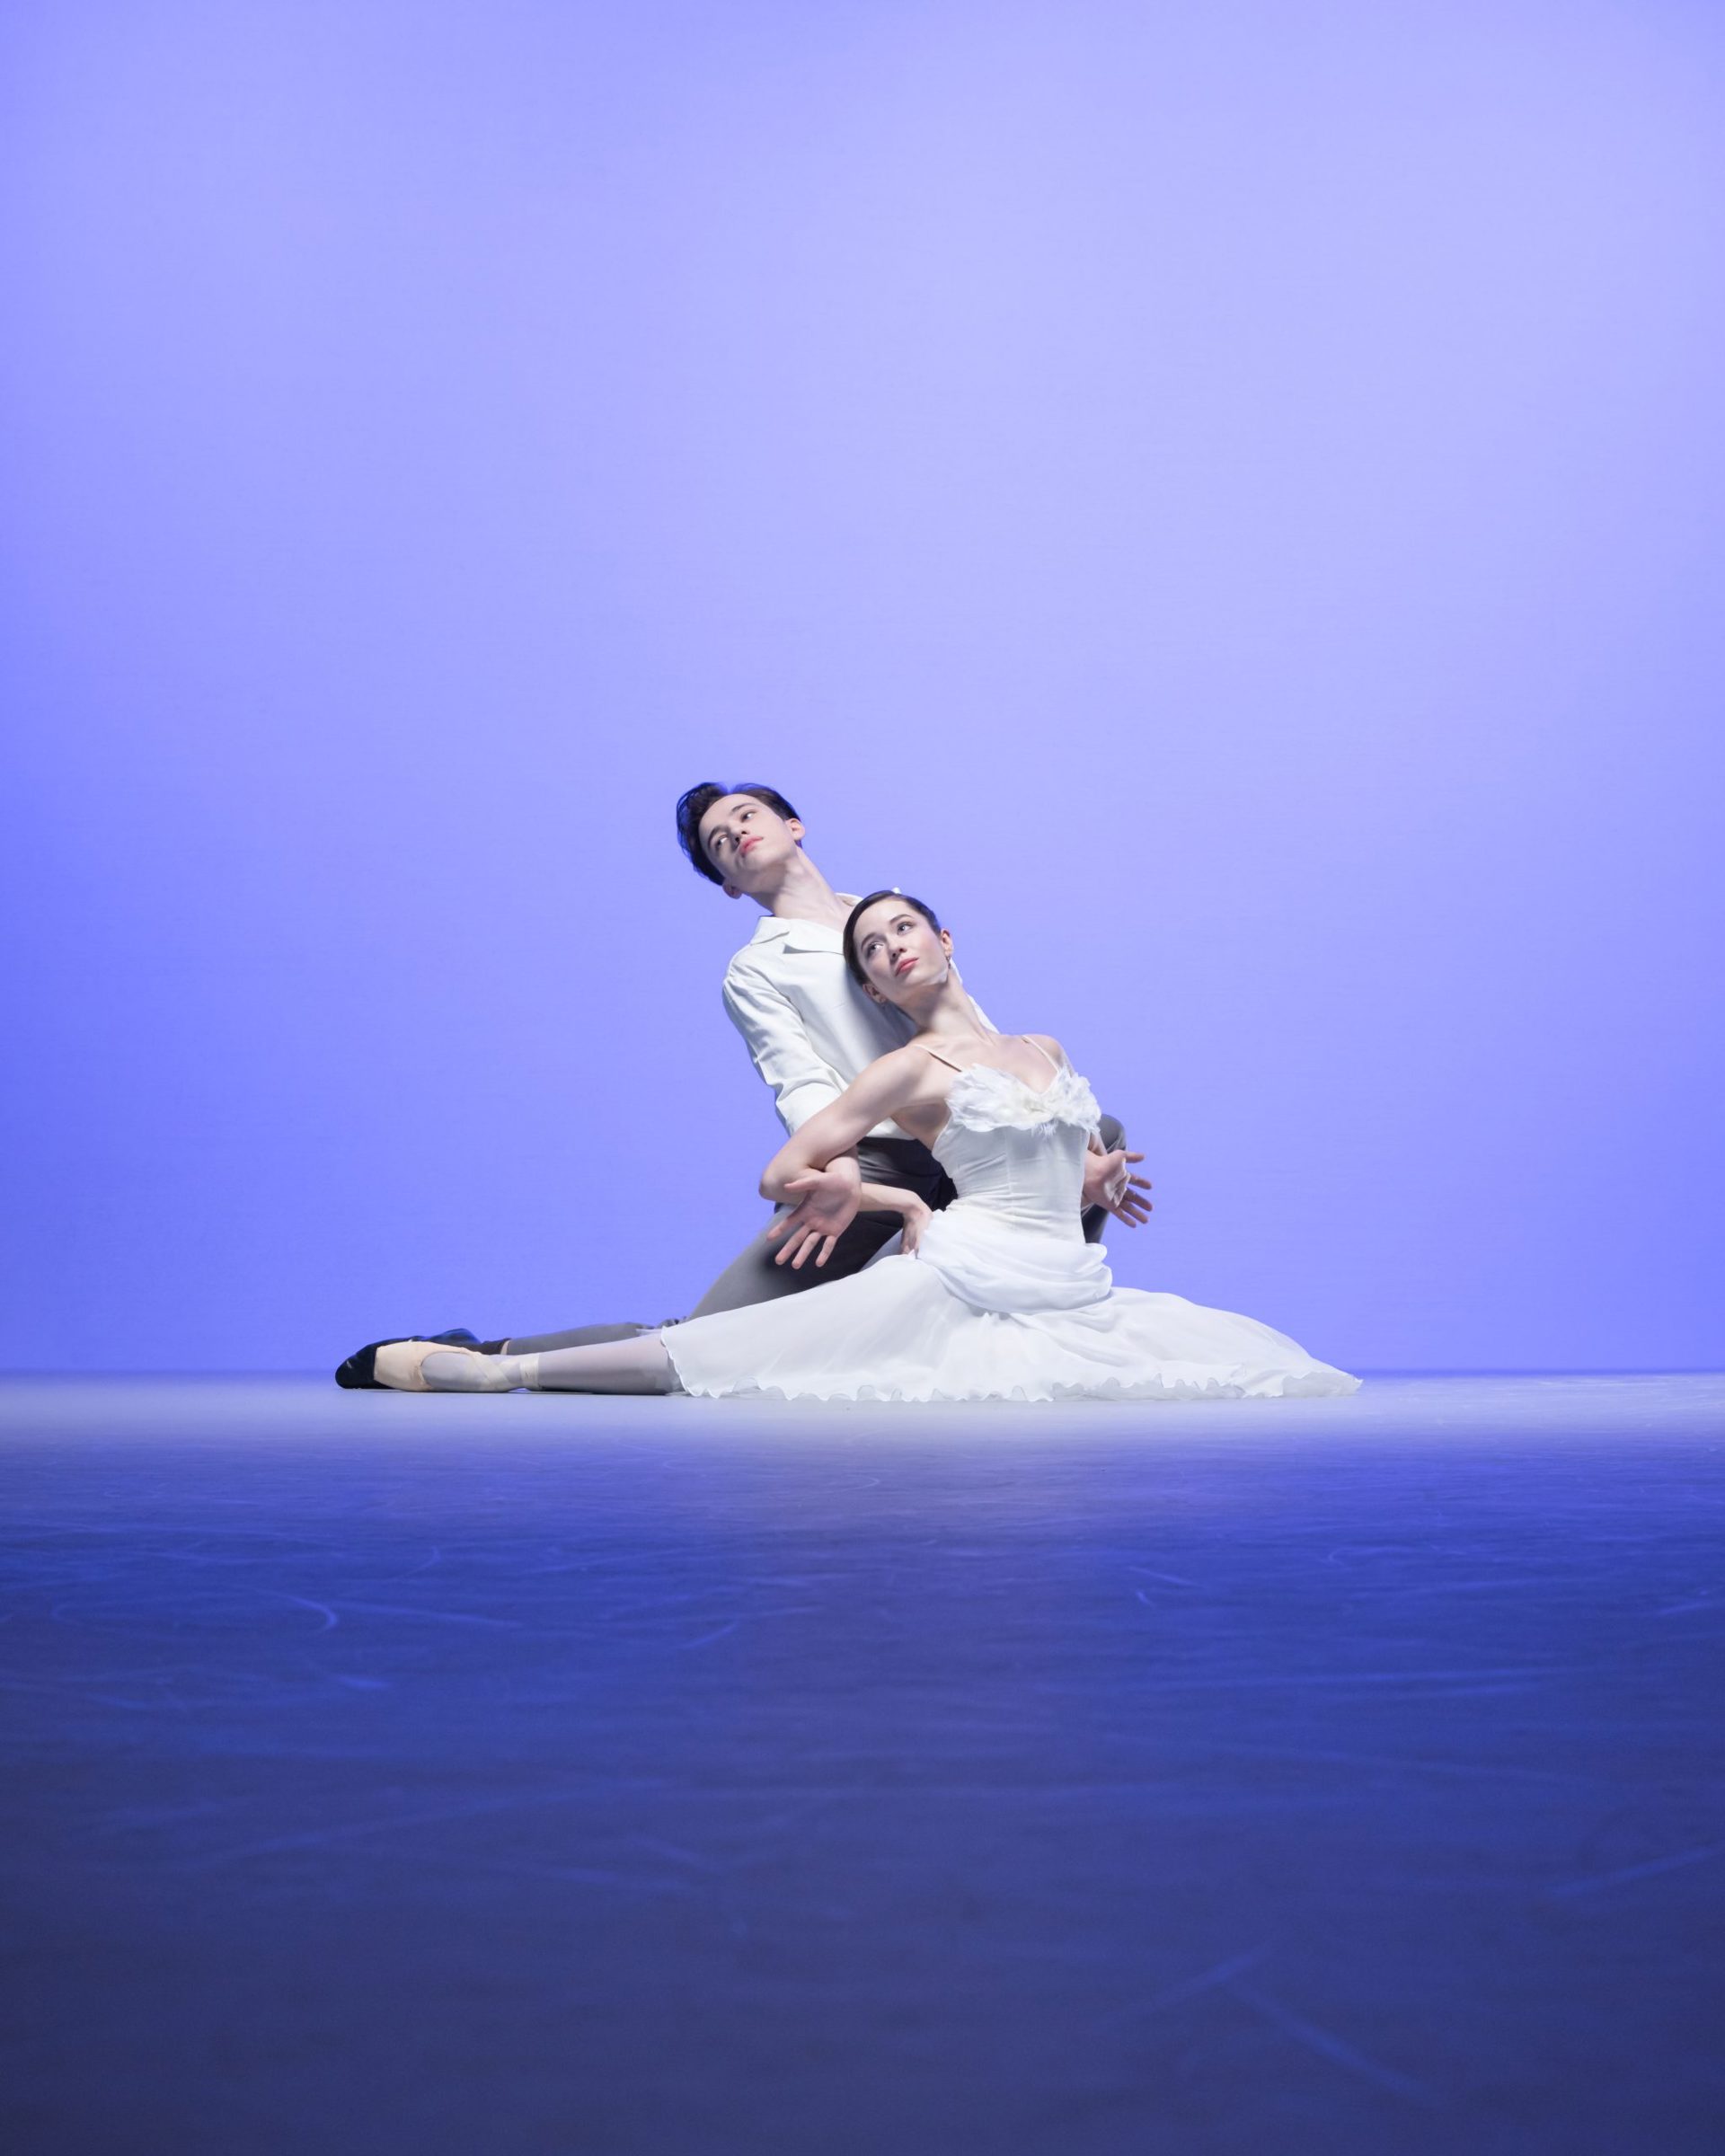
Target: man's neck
[(805, 895)]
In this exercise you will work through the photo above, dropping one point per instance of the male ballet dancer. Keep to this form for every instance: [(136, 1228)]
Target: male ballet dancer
[(811, 1031)]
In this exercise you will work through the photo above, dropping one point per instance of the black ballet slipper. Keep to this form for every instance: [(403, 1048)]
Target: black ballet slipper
[(356, 1375)]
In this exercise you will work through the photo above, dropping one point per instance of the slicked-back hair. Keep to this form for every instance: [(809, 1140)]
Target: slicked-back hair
[(693, 804), (861, 907)]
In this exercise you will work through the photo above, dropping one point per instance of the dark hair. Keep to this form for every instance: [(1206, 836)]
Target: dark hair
[(695, 804), (861, 907)]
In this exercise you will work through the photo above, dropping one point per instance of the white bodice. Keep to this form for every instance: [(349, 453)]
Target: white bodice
[(1018, 1153)]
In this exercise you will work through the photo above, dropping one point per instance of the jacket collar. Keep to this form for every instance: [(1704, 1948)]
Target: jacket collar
[(801, 935)]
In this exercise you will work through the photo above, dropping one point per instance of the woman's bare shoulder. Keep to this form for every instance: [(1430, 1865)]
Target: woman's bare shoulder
[(906, 1072), (930, 1064)]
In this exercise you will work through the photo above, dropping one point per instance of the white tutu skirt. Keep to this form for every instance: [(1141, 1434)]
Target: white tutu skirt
[(988, 1309)]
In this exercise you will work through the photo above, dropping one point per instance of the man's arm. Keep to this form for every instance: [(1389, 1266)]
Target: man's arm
[(779, 1047)]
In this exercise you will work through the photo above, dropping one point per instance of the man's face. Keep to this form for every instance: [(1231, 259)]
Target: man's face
[(748, 843)]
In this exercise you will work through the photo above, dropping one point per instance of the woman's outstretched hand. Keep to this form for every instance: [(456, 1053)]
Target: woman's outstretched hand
[(1110, 1183), (828, 1201)]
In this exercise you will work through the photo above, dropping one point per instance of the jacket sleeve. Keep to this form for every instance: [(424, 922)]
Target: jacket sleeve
[(779, 1046)]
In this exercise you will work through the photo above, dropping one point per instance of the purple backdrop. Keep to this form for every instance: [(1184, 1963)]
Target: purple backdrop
[(1224, 500)]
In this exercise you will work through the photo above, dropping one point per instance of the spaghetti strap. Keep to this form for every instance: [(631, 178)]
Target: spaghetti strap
[(947, 1060), (1058, 1068)]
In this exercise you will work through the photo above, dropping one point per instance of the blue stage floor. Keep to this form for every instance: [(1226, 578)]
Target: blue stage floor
[(486, 1776)]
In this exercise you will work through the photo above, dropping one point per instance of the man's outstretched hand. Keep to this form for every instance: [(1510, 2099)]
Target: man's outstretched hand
[(828, 1202), (1108, 1182)]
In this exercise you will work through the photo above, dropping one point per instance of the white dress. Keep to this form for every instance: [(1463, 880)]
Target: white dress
[(1004, 1300)]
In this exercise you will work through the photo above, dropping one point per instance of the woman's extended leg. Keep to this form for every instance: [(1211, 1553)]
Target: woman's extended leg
[(639, 1364)]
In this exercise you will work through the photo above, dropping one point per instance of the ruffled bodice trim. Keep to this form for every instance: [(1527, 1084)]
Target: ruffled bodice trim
[(982, 1098)]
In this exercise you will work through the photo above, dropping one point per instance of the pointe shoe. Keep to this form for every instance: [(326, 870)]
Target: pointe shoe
[(401, 1364), (356, 1375)]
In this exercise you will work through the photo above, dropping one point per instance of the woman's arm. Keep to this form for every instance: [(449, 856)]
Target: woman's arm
[(817, 1172), (890, 1084)]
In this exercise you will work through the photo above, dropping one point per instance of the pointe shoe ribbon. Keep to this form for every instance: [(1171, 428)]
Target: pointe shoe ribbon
[(401, 1364)]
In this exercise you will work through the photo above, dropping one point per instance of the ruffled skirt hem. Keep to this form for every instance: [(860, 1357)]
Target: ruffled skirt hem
[(1258, 1384)]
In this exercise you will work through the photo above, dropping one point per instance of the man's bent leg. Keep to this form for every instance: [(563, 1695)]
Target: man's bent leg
[(756, 1277)]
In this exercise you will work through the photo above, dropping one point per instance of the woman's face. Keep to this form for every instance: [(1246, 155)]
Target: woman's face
[(899, 951)]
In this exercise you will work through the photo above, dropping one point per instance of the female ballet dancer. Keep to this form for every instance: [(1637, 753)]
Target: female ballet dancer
[(998, 1297)]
